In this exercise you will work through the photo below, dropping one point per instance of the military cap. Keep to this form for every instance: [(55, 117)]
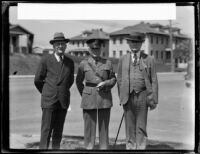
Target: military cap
[(97, 35), (136, 36), (59, 36)]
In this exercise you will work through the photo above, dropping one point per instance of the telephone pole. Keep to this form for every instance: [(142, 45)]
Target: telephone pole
[(170, 45)]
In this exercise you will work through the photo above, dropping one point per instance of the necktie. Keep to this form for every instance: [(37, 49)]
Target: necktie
[(135, 59), (61, 59)]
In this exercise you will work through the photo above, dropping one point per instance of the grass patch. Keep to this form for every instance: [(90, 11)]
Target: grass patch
[(26, 64)]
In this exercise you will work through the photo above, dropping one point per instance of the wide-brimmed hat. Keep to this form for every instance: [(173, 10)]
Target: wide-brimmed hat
[(136, 36), (59, 36)]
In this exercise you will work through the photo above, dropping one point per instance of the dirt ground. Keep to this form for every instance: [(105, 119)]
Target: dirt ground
[(77, 143)]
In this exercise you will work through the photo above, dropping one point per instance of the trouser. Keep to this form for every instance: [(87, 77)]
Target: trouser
[(52, 125), (135, 111), (90, 121)]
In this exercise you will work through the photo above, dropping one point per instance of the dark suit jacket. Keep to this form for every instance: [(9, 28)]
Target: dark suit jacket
[(147, 65), (54, 81)]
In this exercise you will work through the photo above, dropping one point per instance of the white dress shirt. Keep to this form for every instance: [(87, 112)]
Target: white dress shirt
[(133, 57), (58, 57)]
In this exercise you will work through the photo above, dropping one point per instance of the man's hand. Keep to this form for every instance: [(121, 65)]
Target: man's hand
[(153, 106), (101, 85)]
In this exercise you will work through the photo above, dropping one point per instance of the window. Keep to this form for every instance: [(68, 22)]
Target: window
[(156, 54), (114, 53), (120, 40), (83, 43), (151, 39), (185, 60), (103, 44), (167, 41), (151, 52), (156, 39), (162, 40), (168, 55), (104, 54), (120, 53), (161, 55), (78, 44), (114, 41)]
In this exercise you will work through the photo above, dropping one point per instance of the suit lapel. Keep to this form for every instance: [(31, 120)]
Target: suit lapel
[(126, 66), (62, 71)]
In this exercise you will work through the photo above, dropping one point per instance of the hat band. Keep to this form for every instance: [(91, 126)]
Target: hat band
[(59, 38)]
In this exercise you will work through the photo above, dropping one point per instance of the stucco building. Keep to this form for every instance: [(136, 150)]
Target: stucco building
[(156, 41), (78, 46), (21, 40)]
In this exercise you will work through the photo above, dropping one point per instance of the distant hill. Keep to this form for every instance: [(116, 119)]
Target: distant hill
[(21, 64)]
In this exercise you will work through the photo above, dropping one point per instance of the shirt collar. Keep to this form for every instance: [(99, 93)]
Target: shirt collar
[(57, 57), (138, 54)]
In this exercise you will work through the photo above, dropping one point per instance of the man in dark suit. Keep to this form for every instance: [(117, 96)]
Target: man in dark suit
[(53, 79), (96, 93), (138, 90)]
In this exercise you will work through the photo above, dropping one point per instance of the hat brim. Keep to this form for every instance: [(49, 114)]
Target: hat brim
[(57, 40), (91, 40)]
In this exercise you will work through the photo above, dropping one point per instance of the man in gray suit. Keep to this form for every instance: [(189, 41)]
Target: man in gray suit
[(96, 93), (138, 90), (53, 79)]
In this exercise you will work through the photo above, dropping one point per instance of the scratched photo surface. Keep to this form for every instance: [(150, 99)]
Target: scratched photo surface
[(170, 126)]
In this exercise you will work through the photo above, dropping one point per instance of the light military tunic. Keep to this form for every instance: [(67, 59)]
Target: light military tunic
[(94, 72)]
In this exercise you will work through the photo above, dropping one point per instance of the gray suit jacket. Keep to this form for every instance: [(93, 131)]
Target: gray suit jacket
[(147, 66)]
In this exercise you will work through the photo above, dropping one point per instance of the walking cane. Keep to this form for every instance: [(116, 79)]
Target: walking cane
[(119, 129)]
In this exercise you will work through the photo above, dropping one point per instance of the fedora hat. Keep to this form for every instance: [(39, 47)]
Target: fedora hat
[(139, 37), (58, 36)]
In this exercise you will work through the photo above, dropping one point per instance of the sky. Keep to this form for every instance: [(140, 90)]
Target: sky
[(44, 29)]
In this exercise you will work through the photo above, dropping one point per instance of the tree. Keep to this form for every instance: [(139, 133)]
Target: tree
[(183, 50)]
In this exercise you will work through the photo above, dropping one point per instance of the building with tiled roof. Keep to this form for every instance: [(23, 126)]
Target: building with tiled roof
[(21, 39), (78, 46), (156, 40)]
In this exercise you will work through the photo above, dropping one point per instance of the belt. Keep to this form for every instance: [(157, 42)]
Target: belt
[(143, 89), (89, 84)]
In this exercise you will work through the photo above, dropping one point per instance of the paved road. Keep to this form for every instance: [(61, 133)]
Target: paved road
[(173, 120)]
